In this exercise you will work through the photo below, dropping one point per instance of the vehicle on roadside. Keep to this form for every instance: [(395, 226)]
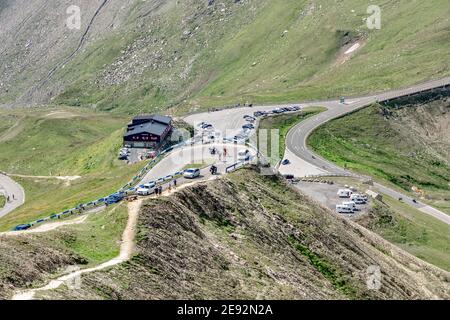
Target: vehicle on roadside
[(200, 125), (123, 156), (258, 113), (191, 173), (114, 198), (151, 154), (248, 126), (344, 193), (285, 162), (244, 155), (205, 126), (277, 110), (249, 118), (239, 138), (343, 209), (22, 227), (350, 204), (358, 199), (295, 108), (146, 189)]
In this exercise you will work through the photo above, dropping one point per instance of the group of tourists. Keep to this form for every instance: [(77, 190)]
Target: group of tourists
[(158, 190)]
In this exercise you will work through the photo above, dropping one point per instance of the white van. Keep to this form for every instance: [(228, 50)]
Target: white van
[(343, 209), (350, 204), (344, 193)]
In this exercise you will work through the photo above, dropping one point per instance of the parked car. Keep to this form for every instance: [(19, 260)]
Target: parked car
[(191, 173), (248, 126), (21, 227), (146, 189), (206, 126), (123, 156), (344, 193), (239, 138), (258, 114), (277, 110), (244, 155), (114, 198), (285, 162), (358, 199), (350, 204), (249, 118), (151, 154), (343, 209)]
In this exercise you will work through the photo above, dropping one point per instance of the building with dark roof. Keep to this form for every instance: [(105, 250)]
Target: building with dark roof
[(147, 131)]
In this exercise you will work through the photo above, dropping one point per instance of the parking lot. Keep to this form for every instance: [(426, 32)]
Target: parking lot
[(230, 122), (326, 194)]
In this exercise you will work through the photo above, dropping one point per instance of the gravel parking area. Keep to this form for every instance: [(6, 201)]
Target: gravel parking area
[(326, 194)]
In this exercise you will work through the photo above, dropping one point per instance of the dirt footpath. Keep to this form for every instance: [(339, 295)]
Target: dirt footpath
[(126, 252)]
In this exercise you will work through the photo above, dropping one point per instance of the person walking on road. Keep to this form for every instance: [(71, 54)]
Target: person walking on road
[(175, 183)]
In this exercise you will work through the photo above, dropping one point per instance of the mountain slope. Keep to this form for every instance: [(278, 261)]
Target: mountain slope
[(148, 55), (248, 236)]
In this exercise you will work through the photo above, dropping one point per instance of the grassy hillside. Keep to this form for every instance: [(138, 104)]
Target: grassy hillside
[(46, 144), (2, 201), (247, 236), (408, 146), (419, 234), (32, 260), (189, 54)]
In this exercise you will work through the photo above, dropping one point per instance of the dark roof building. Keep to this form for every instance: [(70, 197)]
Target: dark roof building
[(147, 131), (149, 118)]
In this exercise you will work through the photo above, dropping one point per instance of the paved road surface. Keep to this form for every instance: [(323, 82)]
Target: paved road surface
[(303, 161), (10, 188), (178, 159)]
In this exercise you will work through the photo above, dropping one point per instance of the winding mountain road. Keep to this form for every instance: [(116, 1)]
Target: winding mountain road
[(304, 162), (296, 141), (14, 191)]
